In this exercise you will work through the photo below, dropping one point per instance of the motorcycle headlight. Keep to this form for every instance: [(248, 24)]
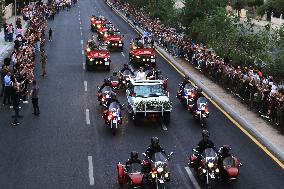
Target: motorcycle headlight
[(167, 175), (105, 35), (105, 59), (88, 49), (204, 171), (153, 175), (101, 32), (119, 42), (152, 57), (160, 169), (91, 59), (137, 56), (143, 59), (217, 170), (210, 165)]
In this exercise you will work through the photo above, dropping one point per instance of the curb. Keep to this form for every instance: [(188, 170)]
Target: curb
[(212, 97)]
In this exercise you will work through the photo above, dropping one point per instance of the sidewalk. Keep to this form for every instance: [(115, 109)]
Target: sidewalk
[(7, 47), (256, 126)]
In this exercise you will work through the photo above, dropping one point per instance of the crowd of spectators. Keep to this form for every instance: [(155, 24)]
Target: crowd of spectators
[(17, 71), (261, 93)]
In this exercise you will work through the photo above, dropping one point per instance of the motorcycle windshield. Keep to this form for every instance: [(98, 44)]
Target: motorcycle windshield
[(135, 168), (228, 161), (209, 154), (114, 107), (159, 157), (202, 101), (107, 89), (115, 79), (188, 89)]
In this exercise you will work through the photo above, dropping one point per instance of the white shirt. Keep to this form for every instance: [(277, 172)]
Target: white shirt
[(141, 75)]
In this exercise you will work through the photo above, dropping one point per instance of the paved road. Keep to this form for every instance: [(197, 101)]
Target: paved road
[(57, 149)]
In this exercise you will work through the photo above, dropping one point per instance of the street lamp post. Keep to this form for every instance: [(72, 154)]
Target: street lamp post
[(15, 13)]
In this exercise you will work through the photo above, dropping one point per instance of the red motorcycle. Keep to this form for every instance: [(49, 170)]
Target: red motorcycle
[(131, 175), (186, 94)]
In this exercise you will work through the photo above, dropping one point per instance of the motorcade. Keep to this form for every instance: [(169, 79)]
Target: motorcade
[(97, 22), (200, 110), (131, 175)]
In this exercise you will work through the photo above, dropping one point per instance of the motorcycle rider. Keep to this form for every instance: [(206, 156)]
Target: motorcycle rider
[(198, 94), (154, 147), (107, 82), (205, 142), (126, 67), (182, 85), (133, 159), (223, 153)]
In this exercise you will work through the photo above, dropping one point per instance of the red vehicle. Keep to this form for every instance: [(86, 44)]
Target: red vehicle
[(142, 54), (230, 169), (97, 57), (102, 33), (114, 41), (97, 22), (131, 175)]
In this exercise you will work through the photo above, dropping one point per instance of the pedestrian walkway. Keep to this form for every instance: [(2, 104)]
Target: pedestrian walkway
[(237, 112)]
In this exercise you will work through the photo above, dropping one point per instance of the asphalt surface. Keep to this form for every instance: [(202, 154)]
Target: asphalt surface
[(57, 149)]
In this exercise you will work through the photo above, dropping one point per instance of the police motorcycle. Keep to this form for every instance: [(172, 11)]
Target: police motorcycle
[(159, 172), (105, 96), (112, 116), (186, 94), (207, 169), (200, 110)]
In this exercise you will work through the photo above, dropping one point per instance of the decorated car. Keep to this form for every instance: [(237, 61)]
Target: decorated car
[(114, 40), (148, 99), (97, 23), (142, 53), (97, 57)]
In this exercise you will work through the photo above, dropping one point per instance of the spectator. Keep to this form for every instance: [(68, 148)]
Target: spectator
[(34, 95)]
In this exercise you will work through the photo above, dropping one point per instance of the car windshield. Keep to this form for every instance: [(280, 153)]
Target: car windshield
[(106, 89), (228, 161), (134, 168), (108, 25), (149, 90)]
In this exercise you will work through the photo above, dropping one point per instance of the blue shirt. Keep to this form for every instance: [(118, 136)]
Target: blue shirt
[(7, 81)]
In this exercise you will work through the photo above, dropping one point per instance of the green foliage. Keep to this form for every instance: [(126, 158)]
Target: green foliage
[(276, 6), (239, 4), (256, 3)]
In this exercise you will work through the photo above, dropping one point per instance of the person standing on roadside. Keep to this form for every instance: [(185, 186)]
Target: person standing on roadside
[(43, 60), (34, 95), (8, 88), (16, 102), (50, 34)]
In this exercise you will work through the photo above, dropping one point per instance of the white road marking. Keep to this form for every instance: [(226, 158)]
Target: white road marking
[(80, 27), (82, 52), (79, 18), (79, 12), (84, 65), (80, 23), (85, 86), (91, 170), (192, 178), (122, 54), (183, 177), (82, 42), (81, 33), (88, 117)]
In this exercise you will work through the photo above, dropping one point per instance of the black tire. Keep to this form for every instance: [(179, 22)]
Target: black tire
[(107, 68)]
